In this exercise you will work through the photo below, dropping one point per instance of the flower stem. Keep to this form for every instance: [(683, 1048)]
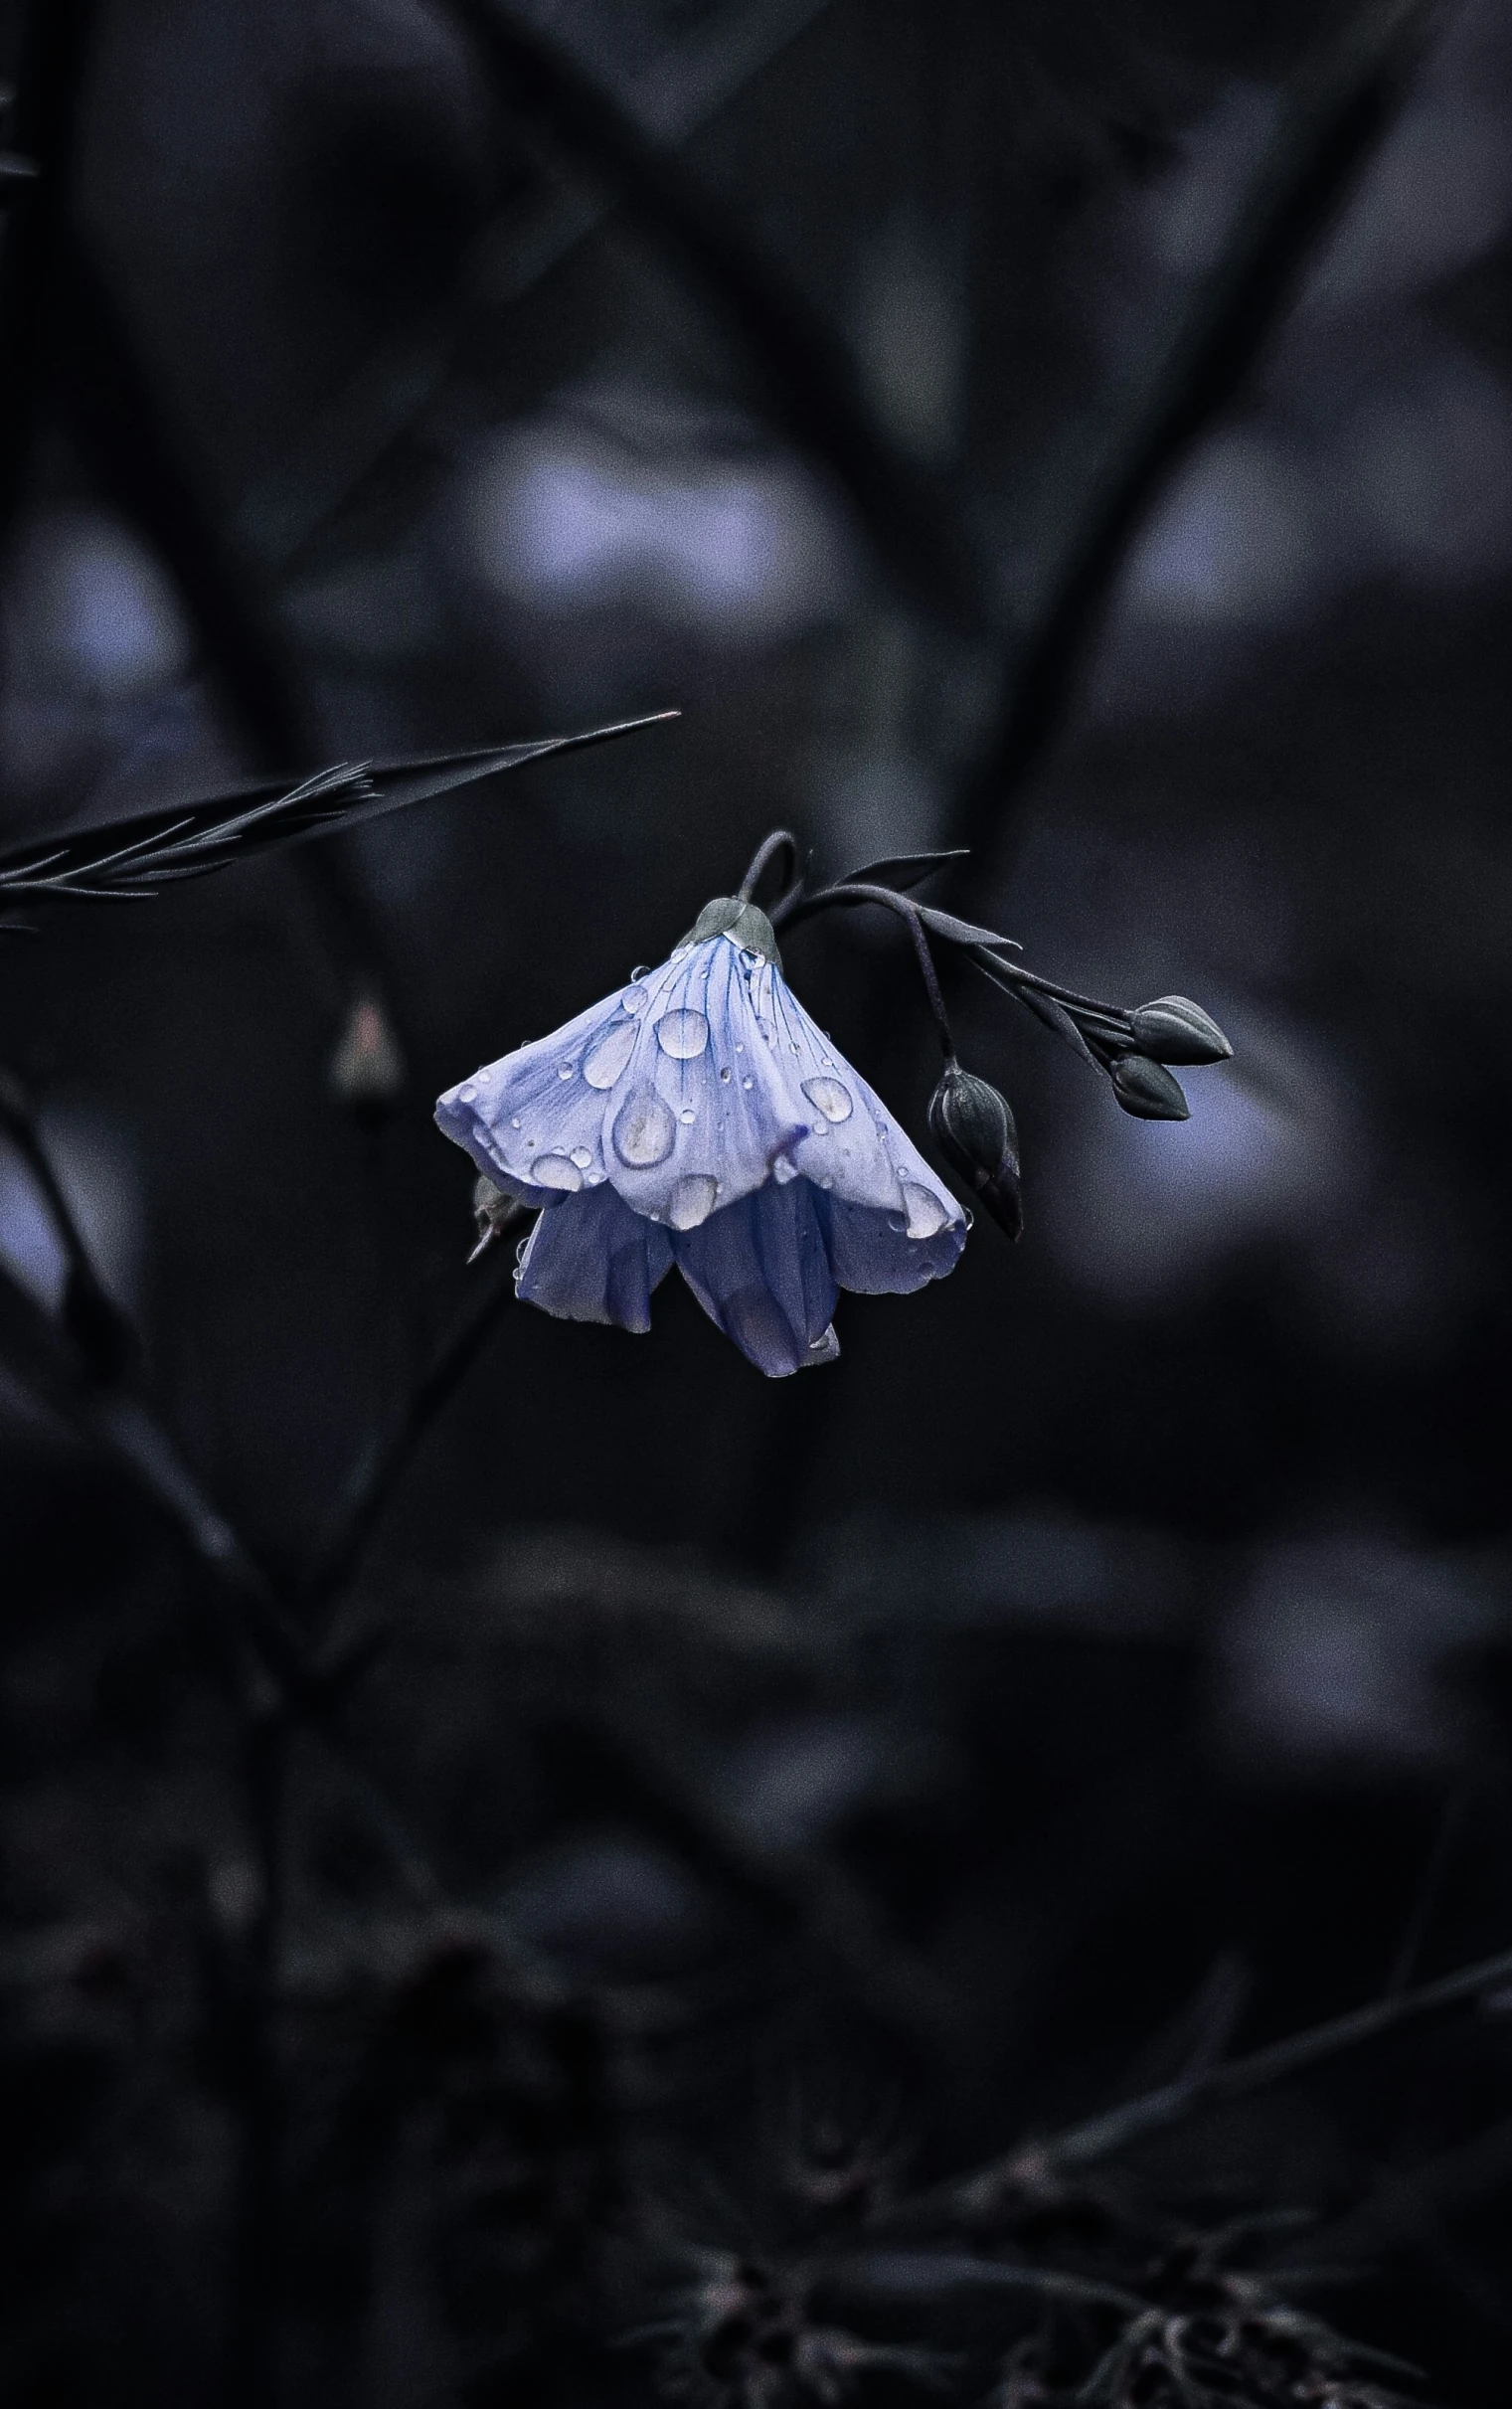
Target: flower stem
[(781, 840), (856, 891)]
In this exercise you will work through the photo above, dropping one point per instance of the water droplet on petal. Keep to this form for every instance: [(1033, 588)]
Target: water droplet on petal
[(725, 1074), (748, 1082), (692, 1201), (581, 1156), (820, 1129), (633, 998), (927, 1211), (784, 1169), (564, 1070), (468, 1094), (609, 1053), (596, 1179), (826, 1181), (514, 1121), (792, 1045), (739, 1049), (679, 953), (556, 1171), (687, 1116), (643, 1130), (681, 1034), (834, 1101)]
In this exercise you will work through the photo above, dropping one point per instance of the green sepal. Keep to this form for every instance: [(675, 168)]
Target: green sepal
[(748, 923)]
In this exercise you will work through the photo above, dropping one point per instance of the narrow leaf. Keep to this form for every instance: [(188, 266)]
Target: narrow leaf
[(137, 856), (903, 870), (961, 931)]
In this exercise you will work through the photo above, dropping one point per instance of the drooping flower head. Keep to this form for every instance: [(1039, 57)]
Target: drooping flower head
[(700, 1118)]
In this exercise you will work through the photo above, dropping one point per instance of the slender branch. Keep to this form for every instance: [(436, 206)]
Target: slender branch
[(1342, 104), (1451, 1822), (372, 1489), (815, 390), (1080, 2146)]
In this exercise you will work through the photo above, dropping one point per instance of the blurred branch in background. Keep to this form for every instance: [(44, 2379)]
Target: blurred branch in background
[(807, 377), (1331, 123), (682, 88), (255, 673)]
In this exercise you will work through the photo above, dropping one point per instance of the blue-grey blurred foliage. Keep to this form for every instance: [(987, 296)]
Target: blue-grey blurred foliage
[(1131, 1606)]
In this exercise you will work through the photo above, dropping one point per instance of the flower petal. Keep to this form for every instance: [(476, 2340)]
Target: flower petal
[(729, 1085), (873, 1254), (542, 1107), (761, 1271), (591, 1258), (704, 1086)]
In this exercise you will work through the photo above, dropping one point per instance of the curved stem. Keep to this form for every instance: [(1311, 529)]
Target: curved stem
[(781, 840), (853, 892)]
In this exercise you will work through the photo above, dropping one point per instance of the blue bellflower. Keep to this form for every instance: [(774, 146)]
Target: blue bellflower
[(701, 1119)]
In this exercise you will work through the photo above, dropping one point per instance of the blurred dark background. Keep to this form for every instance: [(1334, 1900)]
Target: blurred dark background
[(1109, 1662)]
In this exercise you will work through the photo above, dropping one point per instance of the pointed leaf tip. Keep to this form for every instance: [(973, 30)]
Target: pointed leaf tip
[(133, 857)]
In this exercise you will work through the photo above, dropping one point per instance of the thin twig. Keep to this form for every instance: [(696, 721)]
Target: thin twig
[(1080, 2146), (1445, 1840), (376, 1481)]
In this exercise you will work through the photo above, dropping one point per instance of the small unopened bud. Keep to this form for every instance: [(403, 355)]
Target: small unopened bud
[(1148, 1089), (975, 1132), (1174, 1029), (367, 1068), (494, 1211)]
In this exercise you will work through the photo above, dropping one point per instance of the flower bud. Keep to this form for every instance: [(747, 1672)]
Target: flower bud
[(367, 1068), (975, 1132), (1174, 1029), (1148, 1089)]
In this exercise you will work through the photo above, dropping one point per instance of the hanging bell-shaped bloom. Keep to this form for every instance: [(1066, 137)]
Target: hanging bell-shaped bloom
[(701, 1117)]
